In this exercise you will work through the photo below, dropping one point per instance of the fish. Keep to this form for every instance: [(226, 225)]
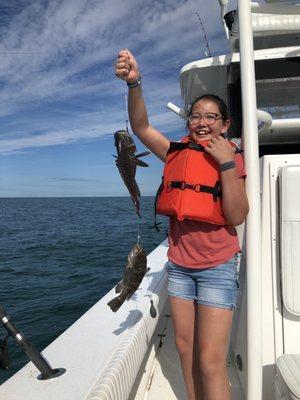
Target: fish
[(133, 275), (126, 162)]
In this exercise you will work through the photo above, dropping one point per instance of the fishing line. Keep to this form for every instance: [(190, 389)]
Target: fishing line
[(152, 310), (138, 238), (126, 111), (138, 231)]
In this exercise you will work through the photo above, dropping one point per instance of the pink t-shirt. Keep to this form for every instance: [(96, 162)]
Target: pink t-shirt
[(197, 244)]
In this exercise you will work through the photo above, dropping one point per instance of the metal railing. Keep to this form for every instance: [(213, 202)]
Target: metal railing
[(253, 223)]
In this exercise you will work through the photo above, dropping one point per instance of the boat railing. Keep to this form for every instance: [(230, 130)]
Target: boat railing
[(272, 131), (253, 234), (265, 120), (223, 5), (177, 110), (267, 20)]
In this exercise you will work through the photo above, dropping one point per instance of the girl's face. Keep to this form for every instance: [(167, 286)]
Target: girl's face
[(205, 121)]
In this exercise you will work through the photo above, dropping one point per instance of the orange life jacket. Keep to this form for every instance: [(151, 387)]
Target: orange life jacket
[(191, 186)]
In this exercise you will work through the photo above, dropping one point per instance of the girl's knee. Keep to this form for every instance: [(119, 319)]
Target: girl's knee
[(184, 345), (212, 362)]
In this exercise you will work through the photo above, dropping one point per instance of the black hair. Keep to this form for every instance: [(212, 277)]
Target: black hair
[(217, 100), (222, 108)]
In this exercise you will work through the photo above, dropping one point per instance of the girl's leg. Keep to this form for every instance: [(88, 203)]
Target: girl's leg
[(213, 332), (183, 316)]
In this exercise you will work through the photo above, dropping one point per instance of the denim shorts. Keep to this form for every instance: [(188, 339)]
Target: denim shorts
[(214, 286)]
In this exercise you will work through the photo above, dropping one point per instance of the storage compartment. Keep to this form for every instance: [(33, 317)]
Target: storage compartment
[(289, 192)]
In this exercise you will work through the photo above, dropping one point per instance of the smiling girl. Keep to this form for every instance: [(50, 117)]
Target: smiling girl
[(203, 192)]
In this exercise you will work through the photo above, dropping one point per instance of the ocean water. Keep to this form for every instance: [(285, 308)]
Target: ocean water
[(59, 256)]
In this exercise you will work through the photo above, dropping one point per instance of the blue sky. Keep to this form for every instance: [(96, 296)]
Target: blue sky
[(60, 102)]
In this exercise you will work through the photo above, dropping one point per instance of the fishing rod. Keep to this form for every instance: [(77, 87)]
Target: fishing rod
[(33, 354), (207, 52)]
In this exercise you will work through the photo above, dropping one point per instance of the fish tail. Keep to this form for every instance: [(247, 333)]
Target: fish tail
[(137, 204), (119, 286), (115, 303)]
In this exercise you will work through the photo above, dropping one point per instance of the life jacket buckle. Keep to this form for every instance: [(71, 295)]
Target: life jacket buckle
[(183, 185), (197, 188), (195, 146), (169, 186)]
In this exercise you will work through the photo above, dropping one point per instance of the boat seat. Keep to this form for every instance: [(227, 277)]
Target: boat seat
[(289, 193), (288, 376)]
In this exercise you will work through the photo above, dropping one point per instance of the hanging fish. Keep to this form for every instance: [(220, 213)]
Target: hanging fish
[(127, 161), (134, 272)]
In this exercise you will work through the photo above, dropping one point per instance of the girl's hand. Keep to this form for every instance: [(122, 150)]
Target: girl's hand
[(126, 66), (220, 150)]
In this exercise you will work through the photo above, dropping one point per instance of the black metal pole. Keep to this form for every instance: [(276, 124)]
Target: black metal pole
[(33, 354)]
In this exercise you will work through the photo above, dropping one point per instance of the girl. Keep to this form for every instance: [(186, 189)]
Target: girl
[(203, 250)]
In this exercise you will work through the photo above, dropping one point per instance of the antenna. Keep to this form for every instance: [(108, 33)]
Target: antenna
[(207, 52)]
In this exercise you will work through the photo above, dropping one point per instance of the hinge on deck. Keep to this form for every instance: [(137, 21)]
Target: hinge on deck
[(161, 335)]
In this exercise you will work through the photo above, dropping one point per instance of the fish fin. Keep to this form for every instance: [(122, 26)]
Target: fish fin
[(145, 153), (141, 163), (132, 147), (129, 296), (115, 303), (137, 209), (138, 193), (119, 286), (114, 156), (139, 214)]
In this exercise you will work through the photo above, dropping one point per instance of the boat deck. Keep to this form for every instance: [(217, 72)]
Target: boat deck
[(166, 380)]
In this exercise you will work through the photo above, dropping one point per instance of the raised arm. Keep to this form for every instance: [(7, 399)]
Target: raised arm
[(128, 70)]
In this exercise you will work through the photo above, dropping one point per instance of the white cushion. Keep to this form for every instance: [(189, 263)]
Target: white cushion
[(289, 191), (288, 367)]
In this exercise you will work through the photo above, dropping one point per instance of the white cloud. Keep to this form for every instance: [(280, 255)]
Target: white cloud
[(65, 53), (89, 129)]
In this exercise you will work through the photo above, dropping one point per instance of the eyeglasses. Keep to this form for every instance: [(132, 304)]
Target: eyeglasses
[(208, 119)]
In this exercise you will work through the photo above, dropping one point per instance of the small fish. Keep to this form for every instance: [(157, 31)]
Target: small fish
[(126, 161), (134, 272)]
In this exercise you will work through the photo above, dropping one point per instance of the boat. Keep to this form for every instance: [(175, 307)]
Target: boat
[(131, 355)]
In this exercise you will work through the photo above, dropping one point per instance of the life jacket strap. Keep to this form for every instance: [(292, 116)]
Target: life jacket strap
[(182, 185), (156, 224), (175, 146)]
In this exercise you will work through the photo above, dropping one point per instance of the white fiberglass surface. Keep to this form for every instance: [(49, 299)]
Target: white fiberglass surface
[(166, 381), (86, 348)]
